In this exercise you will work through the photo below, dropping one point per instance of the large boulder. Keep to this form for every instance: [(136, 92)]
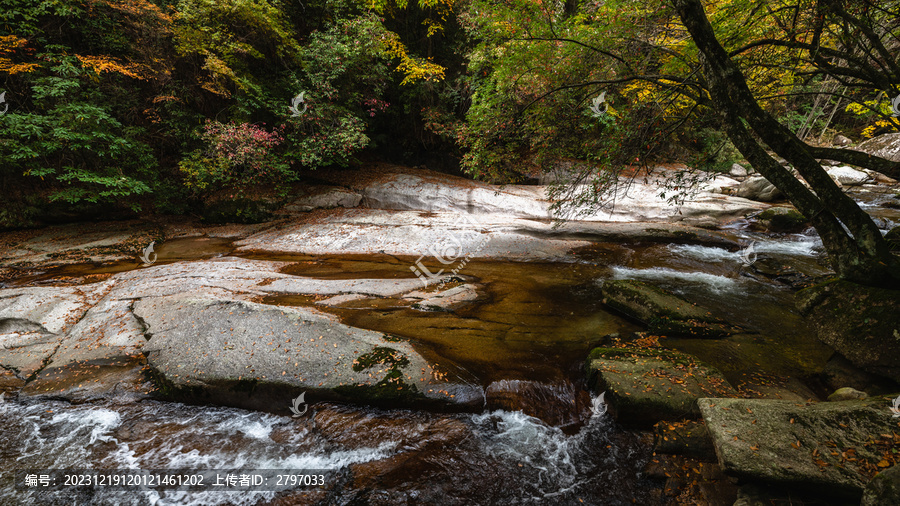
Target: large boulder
[(663, 312), (758, 188), (829, 447), (260, 357), (848, 176), (861, 323), (841, 141), (783, 219), (884, 146), (884, 489), (644, 386), (737, 170)]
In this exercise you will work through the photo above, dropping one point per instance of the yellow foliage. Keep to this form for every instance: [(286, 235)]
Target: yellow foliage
[(870, 107), (414, 68), (8, 45), (101, 64)]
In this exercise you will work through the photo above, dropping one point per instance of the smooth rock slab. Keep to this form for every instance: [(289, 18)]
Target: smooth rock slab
[(827, 447), (663, 312), (326, 198), (453, 238), (884, 146), (257, 356), (445, 300), (644, 386)]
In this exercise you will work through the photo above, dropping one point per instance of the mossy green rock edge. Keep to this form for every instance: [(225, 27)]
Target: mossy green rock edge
[(663, 312), (644, 386)]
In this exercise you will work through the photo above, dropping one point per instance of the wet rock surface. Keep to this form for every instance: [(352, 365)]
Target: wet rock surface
[(859, 322), (828, 447), (644, 386), (884, 489), (782, 219), (663, 312), (243, 353), (690, 438)]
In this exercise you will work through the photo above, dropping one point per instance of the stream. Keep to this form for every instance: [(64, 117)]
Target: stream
[(541, 437)]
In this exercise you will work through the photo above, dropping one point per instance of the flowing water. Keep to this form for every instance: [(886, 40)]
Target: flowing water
[(377, 457), (537, 441)]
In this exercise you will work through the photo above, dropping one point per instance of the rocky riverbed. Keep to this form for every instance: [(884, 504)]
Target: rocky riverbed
[(416, 312)]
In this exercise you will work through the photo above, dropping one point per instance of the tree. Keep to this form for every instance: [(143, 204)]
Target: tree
[(664, 66), (855, 245)]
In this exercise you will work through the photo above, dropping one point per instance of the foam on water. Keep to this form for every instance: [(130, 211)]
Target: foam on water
[(536, 463), (704, 253), (711, 281), (58, 435), (793, 245)]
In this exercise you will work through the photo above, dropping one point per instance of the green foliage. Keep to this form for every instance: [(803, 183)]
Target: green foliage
[(346, 76), (234, 157), (715, 152), (71, 138), (229, 38)]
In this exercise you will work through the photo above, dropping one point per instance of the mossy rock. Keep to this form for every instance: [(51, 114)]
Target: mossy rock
[(830, 448), (783, 219), (884, 489), (893, 238), (644, 386), (662, 311), (862, 323)]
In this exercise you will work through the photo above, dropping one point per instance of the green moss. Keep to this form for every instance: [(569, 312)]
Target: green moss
[(391, 338), (380, 355), (654, 353), (783, 219)]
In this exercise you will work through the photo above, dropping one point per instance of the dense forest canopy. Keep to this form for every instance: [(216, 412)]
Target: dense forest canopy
[(158, 105)]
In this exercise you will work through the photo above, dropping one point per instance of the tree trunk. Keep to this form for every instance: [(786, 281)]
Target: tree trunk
[(854, 243)]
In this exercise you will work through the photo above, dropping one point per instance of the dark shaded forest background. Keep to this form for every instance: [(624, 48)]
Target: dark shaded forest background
[(138, 106)]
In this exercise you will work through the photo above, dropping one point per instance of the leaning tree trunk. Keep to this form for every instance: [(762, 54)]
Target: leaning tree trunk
[(855, 245)]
